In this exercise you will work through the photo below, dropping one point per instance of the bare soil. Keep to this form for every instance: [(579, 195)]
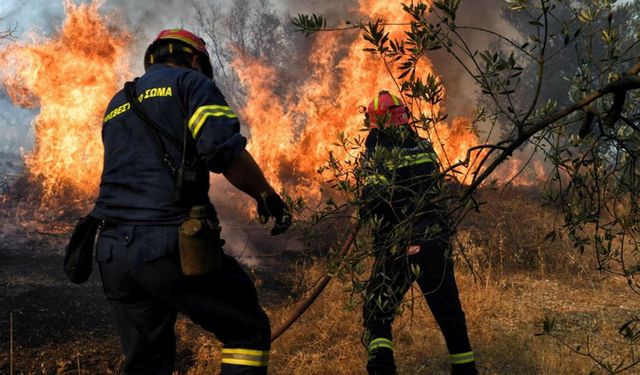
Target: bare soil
[(58, 327), (56, 324), (49, 325)]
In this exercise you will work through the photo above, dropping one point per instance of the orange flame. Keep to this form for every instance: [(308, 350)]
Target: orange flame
[(519, 172), (292, 134), (71, 78), (295, 138)]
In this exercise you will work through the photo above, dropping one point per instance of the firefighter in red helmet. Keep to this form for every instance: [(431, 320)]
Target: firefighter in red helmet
[(162, 135), (411, 236)]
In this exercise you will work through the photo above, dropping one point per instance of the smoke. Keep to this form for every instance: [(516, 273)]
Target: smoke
[(460, 86), (43, 17), (16, 131), (39, 16), (461, 89), (144, 20), (328, 8)]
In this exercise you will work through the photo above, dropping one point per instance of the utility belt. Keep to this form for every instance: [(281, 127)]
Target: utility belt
[(199, 241)]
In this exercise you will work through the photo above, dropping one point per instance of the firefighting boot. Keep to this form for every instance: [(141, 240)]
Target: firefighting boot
[(380, 361), (465, 369)]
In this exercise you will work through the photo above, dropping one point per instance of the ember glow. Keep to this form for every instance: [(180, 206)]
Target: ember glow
[(70, 78)]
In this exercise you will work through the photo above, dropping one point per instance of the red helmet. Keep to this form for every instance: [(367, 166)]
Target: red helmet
[(387, 107), (178, 40)]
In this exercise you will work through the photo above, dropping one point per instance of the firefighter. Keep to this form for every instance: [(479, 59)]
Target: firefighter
[(411, 236), (137, 250)]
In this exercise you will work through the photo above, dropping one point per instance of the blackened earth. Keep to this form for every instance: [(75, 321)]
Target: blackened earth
[(57, 327), (50, 326)]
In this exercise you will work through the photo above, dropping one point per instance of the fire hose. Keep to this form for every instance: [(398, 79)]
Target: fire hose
[(302, 308)]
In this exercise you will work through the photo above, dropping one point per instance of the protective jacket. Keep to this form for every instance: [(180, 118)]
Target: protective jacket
[(137, 186), (401, 178)]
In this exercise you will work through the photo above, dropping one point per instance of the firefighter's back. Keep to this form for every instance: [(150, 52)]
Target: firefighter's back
[(137, 185)]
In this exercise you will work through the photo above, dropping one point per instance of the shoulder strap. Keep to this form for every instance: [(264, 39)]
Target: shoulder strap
[(129, 90)]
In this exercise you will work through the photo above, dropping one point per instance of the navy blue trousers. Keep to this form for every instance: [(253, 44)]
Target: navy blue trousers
[(142, 280)]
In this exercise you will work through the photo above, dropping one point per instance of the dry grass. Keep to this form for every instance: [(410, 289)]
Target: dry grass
[(504, 319), (516, 279)]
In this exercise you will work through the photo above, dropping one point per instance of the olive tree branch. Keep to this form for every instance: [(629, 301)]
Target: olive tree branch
[(541, 62), (626, 83)]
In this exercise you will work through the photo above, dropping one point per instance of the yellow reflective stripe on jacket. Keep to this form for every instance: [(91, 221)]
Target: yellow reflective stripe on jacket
[(245, 357), (405, 161), (461, 358), (415, 159), (380, 342), (376, 179), (201, 114)]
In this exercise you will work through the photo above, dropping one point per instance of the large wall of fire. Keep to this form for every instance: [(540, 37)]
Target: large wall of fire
[(71, 76)]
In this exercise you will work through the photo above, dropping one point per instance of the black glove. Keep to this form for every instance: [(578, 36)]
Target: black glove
[(273, 206)]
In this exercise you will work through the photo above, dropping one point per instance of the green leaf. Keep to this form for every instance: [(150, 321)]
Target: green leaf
[(308, 24)]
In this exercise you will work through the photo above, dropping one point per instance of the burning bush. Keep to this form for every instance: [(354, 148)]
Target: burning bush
[(70, 78)]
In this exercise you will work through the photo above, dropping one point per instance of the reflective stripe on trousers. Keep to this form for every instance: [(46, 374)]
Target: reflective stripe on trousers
[(380, 342), (461, 358), (245, 357)]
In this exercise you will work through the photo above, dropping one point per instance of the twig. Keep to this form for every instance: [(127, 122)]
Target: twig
[(499, 36), (624, 84), (463, 252), (540, 74), (311, 299), (589, 354)]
